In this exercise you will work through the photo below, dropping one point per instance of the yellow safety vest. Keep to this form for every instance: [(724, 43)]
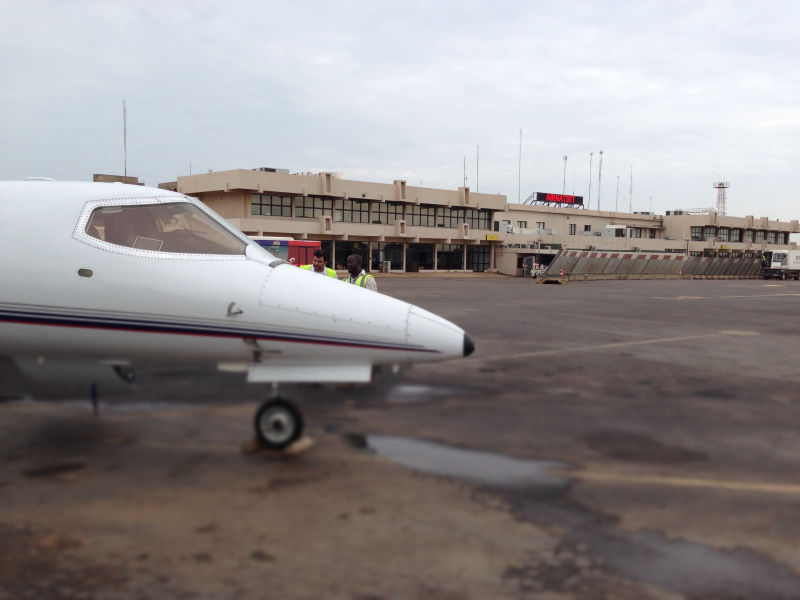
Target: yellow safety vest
[(361, 280), (328, 272)]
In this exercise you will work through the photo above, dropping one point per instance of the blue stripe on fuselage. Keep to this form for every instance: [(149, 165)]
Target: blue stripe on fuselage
[(199, 329)]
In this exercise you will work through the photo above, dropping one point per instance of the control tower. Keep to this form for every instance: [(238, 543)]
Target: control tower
[(721, 196)]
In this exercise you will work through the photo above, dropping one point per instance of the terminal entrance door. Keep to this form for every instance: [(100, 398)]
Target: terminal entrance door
[(419, 256), (346, 248), (478, 258)]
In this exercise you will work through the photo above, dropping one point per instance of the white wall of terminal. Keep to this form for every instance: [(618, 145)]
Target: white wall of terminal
[(541, 231), (501, 241)]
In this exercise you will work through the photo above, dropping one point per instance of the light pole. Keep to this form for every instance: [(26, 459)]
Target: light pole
[(599, 178), (519, 172), (589, 195), (564, 184)]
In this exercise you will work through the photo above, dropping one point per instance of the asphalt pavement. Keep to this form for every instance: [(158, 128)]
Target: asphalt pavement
[(607, 440)]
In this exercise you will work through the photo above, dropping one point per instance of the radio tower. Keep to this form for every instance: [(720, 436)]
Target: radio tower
[(721, 201)]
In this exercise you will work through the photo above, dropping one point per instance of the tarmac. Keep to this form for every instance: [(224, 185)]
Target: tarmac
[(609, 440)]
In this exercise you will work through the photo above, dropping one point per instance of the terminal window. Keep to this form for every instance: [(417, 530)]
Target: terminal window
[(449, 217), (423, 215), (352, 211), (573, 228), (312, 207), (386, 213), (697, 233), (270, 206), (478, 218)]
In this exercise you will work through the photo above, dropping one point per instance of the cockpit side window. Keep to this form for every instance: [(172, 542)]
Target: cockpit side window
[(174, 227)]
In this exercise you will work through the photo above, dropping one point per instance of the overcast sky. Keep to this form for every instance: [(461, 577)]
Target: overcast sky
[(686, 93)]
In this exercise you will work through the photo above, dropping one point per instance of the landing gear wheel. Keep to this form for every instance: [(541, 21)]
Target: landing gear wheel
[(278, 423)]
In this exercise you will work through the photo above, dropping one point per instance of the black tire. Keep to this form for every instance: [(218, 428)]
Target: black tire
[(278, 423)]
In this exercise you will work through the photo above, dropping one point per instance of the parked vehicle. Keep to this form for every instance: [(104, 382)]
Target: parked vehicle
[(296, 252), (783, 264)]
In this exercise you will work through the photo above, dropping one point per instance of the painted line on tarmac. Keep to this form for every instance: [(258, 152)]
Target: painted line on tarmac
[(574, 349), (736, 486), (721, 297)]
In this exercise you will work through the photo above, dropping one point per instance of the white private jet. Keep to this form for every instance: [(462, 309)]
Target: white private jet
[(95, 277)]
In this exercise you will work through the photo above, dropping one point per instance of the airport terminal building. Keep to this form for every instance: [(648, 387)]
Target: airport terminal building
[(403, 228), (393, 226)]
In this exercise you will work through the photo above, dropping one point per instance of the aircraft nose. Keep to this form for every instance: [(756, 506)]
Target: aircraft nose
[(469, 345), (440, 339)]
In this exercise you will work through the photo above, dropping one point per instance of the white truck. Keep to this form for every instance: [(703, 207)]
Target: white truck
[(784, 264)]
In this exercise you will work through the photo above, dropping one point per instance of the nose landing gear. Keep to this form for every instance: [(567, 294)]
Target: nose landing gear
[(278, 423)]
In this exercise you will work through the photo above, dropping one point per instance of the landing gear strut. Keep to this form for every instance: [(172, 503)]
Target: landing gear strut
[(278, 423)]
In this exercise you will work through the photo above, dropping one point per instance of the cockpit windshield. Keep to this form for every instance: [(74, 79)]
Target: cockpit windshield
[(173, 227)]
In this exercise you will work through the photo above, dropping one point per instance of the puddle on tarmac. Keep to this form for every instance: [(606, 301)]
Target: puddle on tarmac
[(15, 398), (645, 556), (415, 394), (53, 470), (473, 465)]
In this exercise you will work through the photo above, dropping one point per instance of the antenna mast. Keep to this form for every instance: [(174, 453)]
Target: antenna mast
[(630, 193), (125, 136), (519, 173), (477, 167), (722, 201), (599, 178)]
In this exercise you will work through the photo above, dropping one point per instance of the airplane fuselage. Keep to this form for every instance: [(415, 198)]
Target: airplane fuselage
[(69, 292)]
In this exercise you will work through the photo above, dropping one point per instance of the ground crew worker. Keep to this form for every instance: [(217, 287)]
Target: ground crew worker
[(358, 276), (318, 265)]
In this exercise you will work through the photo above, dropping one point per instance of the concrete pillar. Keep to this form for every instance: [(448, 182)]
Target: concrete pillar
[(492, 257), (435, 258), (333, 254), (464, 257), (405, 249)]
